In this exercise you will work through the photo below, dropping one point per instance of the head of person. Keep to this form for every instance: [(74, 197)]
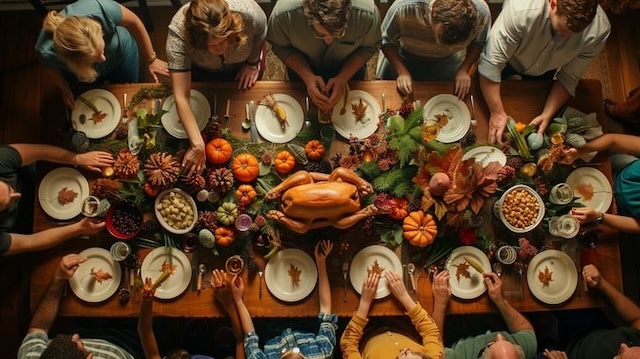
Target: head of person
[(328, 17), (211, 26), (628, 352), (66, 347), (501, 348), (78, 41), (7, 195), (453, 21), (178, 354), (572, 16), (407, 353)]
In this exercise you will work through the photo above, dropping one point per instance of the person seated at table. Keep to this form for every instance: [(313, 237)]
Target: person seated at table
[(222, 294), (16, 196), (620, 342), (426, 40), (534, 39), (625, 166), (213, 40), (95, 41), (518, 342), (324, 43), (390, 341), (294, 344), (37, 342)]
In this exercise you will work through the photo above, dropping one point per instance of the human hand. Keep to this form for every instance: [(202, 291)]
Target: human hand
[(591, 275), (396, 285), (237, 288), (404, 83), (94, 160), (318, 93), (542, 122), (497, 124), (585, 214), (554, 354), (68, 266), (494, 285), (322, 250), (148, 291), (88, 226), (221, 287), (369, 288), (463, 83), (335, 88), (194, 160), (440, 287), (247, 76), (158, 68), (568, 156)]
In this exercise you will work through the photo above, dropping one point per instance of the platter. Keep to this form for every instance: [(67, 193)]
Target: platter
[(105, 102), (457, 114), (365, 259), (346, 124), (472, 287), (177, 282), (278, 280), (88, 289), (57, 180), (199, 106), (564, 277), (485, 155), (269, 126), (602, 191)]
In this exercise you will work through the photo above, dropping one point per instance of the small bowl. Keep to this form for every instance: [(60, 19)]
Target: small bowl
[(124, 211), (163, 221), (539, 216)]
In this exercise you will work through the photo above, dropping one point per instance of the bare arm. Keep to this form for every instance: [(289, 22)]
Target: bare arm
[(321, 252), (614, 221), (404, 82), (514, 320), (222, 293), (145, 330), (441, 296), (498, 118), (557, 97), (30, 153), (237, 289), (194, 160), (628, 310)]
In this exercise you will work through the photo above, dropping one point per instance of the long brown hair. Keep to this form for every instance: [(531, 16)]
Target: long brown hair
[(205, 19)]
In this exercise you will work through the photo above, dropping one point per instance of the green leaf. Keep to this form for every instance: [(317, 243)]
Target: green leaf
[(370, 169)]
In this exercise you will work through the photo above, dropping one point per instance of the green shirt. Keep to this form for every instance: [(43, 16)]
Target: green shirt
[(472, 347)]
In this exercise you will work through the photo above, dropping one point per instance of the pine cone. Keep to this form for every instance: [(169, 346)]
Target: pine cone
[(207, 219), (322, 167), (161, 170), (220, 180), (516, 162), (406, 109), (122, 132), (106, 188), (505, 174), (212, 130), (193, 184), (250, 262), (126, 164)]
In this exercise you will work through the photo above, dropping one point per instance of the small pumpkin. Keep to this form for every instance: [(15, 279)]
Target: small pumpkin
[(245, 194), (227, 213), (314, 150), (218, 151), (419, 229), (150, 190), (400, 208), (284, 162), (245, 167), (224, 236)]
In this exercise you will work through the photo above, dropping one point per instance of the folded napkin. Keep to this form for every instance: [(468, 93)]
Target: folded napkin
[(594, 131)]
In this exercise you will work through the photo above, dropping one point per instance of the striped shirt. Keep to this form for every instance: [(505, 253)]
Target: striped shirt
[(35, 343)]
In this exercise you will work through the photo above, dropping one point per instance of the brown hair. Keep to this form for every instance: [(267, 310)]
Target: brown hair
[(457, 17), (577, 13), (63, 347), (332, 14), (75, 40), (205, 19)]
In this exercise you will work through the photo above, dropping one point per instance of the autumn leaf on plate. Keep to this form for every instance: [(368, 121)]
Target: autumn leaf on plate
[(585, 190), (462, 270), (294, 273), (168, 268), (97, 117), (375, 268), (545, 277), (66, 196), (100, 275), (442, 119)]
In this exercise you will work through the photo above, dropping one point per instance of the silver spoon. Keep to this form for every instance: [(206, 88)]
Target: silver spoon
[(202, 269), (497, 267), (412, 269)]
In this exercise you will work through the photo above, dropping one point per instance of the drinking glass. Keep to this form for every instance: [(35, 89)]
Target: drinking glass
[(120, 251), (561, 194), (506, 254), (234, 264), (566, 226)]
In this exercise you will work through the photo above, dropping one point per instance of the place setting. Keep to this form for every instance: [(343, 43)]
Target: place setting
[(279, 118), (96, 113), (201, 111), (356, 115)]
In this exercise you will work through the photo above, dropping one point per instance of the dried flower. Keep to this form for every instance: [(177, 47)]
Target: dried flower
[(467, 236)]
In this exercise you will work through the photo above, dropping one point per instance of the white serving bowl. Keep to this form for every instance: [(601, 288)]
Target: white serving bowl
[(500, 211), (163, 221)]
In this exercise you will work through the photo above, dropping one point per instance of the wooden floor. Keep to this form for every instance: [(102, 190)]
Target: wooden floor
[(31, 110)]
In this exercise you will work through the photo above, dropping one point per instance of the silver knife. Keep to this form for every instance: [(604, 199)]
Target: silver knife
[(252, 118)]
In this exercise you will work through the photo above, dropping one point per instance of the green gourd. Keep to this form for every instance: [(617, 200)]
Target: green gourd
[(534, 140), (206, 237)]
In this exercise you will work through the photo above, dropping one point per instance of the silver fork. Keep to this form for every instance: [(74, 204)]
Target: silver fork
[(260, 273), (345, 271)]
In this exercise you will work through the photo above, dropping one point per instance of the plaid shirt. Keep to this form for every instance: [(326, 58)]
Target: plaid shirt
[(312, 346)]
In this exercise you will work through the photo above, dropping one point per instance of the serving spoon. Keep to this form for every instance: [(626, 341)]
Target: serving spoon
[(202, 269)]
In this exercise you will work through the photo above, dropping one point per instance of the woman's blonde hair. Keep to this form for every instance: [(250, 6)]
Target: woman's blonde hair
[(75, 40), (206, 19)]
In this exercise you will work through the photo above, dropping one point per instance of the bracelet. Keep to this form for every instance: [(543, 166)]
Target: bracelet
[(153, 58), (75, 160), (600, 218)]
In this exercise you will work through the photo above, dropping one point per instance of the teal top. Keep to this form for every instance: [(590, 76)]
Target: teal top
[(472, 347), (627, 189)]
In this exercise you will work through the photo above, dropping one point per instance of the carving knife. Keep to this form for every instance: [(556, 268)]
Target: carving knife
[(252, 117)]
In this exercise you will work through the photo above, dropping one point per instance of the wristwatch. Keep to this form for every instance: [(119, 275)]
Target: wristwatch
[(600, 218)]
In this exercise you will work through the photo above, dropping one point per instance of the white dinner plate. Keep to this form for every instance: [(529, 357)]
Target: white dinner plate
[(564, 277), (365, 259), (472, 287), (85, 287), (269, 126), (55, 181), (346, 124), (278, 280), (457, 113), (104, 101), (603, 193), (485, 155), (177, 282), (199, 106)]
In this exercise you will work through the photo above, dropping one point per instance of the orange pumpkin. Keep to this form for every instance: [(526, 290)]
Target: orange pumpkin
[(245, 167), (224, 236), (399, 211), (218, 151), (284, 162), (419, 229), (245, 194), (314, 150)]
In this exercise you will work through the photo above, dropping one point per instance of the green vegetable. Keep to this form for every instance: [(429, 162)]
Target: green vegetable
[(535, 141), (519, 142), (575, 140)]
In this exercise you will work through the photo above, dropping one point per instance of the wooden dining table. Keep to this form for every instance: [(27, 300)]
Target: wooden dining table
[(523, 100)]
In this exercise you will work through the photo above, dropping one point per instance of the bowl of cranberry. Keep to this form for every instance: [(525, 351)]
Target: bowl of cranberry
[(124, 219)]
